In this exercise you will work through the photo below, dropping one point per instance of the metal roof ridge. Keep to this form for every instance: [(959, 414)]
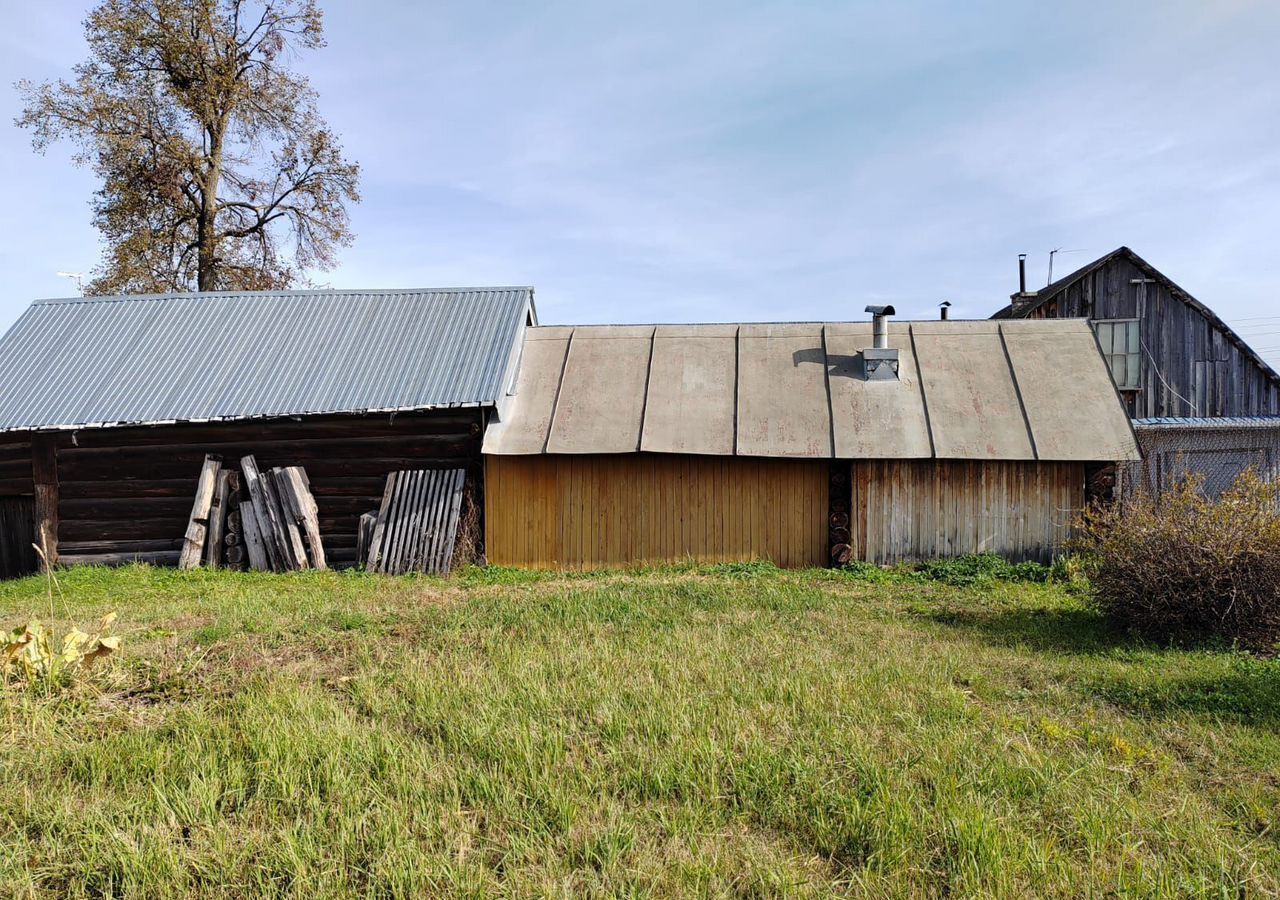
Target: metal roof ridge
[(296, 292), (822, 323)]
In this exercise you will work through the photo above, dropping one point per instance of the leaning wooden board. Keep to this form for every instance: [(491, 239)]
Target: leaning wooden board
[(198, 527), (417, 523)]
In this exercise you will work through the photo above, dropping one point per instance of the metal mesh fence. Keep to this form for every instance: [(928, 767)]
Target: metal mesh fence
[(1216, 449)]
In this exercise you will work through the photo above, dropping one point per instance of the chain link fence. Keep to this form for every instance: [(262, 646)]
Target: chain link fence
[(1216, 449)]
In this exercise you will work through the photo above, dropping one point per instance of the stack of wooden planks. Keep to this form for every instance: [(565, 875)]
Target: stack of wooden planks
[(416, 526), (267, 520)]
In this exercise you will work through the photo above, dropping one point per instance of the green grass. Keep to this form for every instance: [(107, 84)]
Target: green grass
[(721, 731)]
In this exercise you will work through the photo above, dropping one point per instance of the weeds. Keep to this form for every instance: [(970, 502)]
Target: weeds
[(33, 656)]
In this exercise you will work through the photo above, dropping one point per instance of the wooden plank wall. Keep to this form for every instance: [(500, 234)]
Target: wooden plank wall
[(1199, 371), (922, 509), (130, 489), (572, 511)]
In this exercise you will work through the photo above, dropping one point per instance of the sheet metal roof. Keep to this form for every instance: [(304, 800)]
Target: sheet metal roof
[(966, 390), (1201, 423), (100, 361)]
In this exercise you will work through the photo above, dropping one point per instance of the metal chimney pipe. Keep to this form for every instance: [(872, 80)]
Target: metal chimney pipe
[(1022, 273), (880, 326), (944, 306)]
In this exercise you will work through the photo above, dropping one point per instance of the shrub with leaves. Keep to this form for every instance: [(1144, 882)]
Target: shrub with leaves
[(33, 656), (1188, 566)]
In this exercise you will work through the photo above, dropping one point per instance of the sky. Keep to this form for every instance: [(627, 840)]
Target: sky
[(754, 161)]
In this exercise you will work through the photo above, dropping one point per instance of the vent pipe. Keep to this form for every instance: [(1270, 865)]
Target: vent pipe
[(879, 363), (880, 326), (943, 307), (1022, 273)]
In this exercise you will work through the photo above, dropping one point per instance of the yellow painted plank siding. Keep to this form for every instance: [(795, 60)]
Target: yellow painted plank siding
[(575, 511)]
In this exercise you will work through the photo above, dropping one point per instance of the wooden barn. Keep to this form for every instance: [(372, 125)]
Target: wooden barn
[(1177, 365), (111, 404), (1170, 354), (798, 443)]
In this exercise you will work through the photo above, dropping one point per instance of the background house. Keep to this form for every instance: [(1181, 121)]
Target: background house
[(799, 443), (1177, 366)]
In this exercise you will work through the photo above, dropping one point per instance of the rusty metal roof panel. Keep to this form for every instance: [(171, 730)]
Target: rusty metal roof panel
[(103, 361)]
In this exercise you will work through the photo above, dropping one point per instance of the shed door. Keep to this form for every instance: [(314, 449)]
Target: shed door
[(17, 554)]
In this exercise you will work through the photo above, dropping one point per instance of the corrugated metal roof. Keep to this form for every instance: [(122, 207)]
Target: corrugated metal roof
[(966, 390), (100, 361), (1207, 422)]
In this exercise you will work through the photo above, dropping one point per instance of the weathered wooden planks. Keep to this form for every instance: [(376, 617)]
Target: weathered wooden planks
[(923, 509), (417, 524), (299, 507), (281, 510), (198, 526)]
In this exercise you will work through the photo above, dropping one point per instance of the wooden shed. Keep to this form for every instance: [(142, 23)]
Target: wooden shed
[(798, 443), (112, 403)]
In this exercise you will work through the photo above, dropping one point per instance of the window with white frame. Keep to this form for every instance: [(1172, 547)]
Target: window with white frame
[(1121, 346)]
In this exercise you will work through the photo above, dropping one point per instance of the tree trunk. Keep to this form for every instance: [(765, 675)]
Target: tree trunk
[(207, 226)]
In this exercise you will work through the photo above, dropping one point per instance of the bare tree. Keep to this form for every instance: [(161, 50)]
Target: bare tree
[(217, 171)]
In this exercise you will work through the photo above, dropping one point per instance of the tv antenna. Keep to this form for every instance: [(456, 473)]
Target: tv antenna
[(79, 279), (1052, 254)]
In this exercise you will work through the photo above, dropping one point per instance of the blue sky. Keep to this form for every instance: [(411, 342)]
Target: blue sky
[(672, 161)]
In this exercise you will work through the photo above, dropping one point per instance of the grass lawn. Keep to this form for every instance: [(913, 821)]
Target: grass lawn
[(728, 731)]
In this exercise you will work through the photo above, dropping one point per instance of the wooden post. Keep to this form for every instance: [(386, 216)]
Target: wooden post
[(254, 544), (300, 508), (44, 473), (218, 520), (198, 527), (275, 549), (291, 534)]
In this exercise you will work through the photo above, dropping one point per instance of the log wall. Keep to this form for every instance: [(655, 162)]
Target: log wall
[(15, 466), (17, 517), (586, 511), (129, 490)]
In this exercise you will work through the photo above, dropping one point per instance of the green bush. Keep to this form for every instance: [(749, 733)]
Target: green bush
[(1187, 566)]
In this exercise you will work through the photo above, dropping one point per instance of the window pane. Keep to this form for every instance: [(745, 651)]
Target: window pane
[(1104, 336), (1133, 337), (1132, 379), (1118, 369)]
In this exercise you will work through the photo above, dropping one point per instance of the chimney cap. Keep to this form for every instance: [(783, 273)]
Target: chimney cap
[(881, 310), (945, 303)]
